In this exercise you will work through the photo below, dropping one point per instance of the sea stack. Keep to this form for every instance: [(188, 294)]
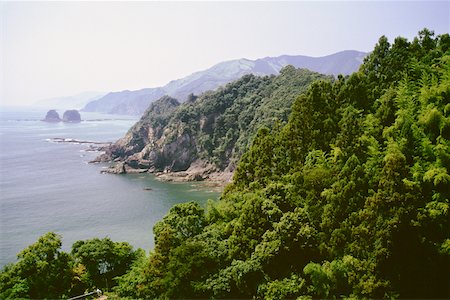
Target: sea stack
[(52, 116), (71, 116)]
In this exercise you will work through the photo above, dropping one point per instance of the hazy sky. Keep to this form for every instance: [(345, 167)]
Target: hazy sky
[(50, 49)]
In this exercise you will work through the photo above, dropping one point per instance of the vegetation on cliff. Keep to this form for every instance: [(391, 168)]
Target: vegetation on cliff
[(215, 127)]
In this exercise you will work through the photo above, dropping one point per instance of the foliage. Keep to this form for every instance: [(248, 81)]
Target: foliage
[(43, 271), (102, 261), (349, 198)]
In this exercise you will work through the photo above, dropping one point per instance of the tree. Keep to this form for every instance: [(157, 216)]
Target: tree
[(102, 260), (42, 271)]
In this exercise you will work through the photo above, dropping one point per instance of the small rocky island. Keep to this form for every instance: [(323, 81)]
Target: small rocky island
[(69, 116), (52, 116)]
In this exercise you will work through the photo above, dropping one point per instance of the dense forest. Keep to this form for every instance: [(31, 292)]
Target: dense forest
[(349, 198)]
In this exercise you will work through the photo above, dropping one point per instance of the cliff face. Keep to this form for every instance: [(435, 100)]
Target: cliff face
[(209, 133), (146, 146)]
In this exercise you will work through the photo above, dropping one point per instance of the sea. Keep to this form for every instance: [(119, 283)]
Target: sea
[(47, 184)]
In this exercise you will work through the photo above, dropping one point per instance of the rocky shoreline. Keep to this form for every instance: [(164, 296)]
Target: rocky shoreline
[(198, 171), (213, 179)]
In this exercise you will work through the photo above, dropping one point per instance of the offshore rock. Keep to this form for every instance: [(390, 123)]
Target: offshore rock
[(72, 116), (52, 116)]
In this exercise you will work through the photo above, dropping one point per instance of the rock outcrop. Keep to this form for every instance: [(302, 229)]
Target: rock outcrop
[(71, 116), (145, 146), (52, 116)]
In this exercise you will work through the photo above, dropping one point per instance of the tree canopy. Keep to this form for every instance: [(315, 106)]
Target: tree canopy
[(43, 271)]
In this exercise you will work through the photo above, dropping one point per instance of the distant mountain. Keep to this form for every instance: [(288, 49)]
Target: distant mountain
[(136, 102), (125, 102), (70, 102), (344, 62)]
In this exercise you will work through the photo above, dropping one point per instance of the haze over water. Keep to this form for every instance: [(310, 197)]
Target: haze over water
[(47, 186)]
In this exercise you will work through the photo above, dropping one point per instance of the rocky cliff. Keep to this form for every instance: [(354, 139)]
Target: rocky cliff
[(208, 134)]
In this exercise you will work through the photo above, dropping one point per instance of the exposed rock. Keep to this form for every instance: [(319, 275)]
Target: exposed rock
[(135, 171), (198, 171), (118, 168), (71, 116), (172, 176), (216, 179), (123, 168), (52, 116), (195, 177)]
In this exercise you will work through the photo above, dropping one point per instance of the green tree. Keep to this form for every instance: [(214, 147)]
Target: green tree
[(102, 261), (42, 271)]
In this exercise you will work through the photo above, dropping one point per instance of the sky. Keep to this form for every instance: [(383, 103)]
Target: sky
[(53, 49)]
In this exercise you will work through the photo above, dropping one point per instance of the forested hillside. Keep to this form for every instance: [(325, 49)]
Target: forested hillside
[(213, 130), (349, 198)]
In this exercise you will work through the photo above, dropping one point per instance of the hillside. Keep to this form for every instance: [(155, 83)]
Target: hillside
[(208, 134), (136, 102), (348, 200)]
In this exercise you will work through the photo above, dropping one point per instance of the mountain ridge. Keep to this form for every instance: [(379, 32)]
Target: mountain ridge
[(136, 102)]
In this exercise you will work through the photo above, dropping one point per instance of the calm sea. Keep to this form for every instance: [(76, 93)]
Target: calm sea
[(48, 186)]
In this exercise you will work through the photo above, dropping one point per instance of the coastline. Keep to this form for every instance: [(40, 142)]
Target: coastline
[(197, 172)]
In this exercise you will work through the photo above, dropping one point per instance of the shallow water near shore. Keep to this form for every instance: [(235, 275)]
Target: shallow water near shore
[(49, 186)]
